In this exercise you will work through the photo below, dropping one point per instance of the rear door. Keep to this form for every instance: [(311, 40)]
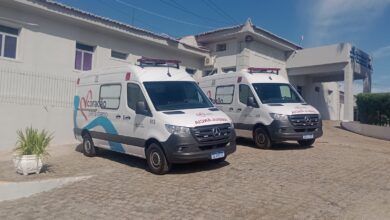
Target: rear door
[(107, 121)]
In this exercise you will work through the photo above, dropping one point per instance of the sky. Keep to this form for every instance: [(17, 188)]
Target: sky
[(364, 23)]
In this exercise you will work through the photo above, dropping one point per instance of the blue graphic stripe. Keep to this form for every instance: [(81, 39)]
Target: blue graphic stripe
[(101, 121)]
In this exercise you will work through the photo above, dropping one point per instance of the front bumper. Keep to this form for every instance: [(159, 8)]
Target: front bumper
[(186, 149), (284, 130)]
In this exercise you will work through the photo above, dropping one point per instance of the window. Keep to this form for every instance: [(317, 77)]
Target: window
[(119, 55), (110, 96), (8, 41), (229, 69), (134, 95), (210, 72), (190, 71), (221, 47), (224, 94), (176, 95), (244, 93), (84, 55), (276, 93)]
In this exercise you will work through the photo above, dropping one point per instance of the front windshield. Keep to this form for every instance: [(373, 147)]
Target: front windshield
[(276, 93), (176, 95)]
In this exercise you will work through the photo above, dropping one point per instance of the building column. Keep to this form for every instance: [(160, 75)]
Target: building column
[(348, 92), (367, 83), (242, 59)]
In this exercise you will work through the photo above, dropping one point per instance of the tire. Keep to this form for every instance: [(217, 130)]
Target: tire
[(306, 143), (89, 148), (157, 162), (261, 138), (219, 160)]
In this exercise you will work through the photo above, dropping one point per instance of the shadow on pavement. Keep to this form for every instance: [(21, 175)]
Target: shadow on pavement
[(246, 142), (137, 162)]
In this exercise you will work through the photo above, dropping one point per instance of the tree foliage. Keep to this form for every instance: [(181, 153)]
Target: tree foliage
[(374, 108)]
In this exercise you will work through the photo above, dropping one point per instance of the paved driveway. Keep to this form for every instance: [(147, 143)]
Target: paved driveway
[(344, 176)]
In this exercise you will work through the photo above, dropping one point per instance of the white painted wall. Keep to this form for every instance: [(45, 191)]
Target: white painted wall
[(33, 85)]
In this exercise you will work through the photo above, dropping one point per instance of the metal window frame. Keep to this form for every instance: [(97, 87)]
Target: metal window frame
[(120, 94), (216, 89), (82, 59), (3, 45), (119, 52)]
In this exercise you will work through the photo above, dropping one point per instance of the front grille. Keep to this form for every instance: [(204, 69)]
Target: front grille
[(211, 133), (304, 121)]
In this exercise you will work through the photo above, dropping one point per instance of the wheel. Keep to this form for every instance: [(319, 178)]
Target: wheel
[(88, 146), (306, 143), (156, 160), (219, 160), (261, 138)]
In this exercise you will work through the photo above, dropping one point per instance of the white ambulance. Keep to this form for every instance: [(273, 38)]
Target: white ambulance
[(263, 106), (154, 110)]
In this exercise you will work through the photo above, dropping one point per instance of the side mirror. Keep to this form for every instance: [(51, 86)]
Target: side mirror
[(141, 108), (251, 102)]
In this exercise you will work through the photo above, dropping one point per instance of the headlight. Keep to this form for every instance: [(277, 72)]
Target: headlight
[(279, 117), (173, 129)]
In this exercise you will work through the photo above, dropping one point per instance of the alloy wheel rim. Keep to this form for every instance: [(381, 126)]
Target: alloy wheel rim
[(87, 146), (155, 159), (260, 138)]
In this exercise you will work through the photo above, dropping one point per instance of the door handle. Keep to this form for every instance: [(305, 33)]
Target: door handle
[(239, 109), (126, 117), (118, 117), (230, 109)]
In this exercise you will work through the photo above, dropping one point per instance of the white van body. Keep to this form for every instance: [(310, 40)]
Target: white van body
[(126, 109), (282, 116)]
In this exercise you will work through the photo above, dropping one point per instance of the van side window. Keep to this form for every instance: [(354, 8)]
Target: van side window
[(110, 95), (224, 94), (134, 95), (244, 93)]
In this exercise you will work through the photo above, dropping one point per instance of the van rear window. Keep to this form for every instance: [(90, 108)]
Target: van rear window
[(110, 95), (224, 94)]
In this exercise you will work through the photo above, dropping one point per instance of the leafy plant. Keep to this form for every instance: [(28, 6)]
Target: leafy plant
[(374, 108), (33, 142)]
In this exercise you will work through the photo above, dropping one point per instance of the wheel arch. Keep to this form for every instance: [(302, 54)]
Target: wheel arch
[(85, 132), (257, 125)]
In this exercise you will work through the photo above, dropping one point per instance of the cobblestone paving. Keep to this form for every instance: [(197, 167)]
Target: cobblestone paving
[(344, 176)]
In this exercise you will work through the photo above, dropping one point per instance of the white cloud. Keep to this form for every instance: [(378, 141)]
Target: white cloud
[(381, 52), (330, 19)]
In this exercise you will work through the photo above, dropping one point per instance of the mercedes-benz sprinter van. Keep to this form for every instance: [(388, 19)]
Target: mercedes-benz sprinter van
[(264, 106), (154, 110)]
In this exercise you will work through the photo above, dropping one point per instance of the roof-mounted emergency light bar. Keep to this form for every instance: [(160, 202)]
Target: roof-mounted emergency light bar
[(158, 62), (264, 70)]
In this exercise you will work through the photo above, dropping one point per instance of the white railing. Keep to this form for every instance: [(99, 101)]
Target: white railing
[(36, 88)]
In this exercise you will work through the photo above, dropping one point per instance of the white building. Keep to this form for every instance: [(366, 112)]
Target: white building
[(45, 46)]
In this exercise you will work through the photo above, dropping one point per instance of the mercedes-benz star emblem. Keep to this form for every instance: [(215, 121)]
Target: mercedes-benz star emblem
[(307, 119), (216, 132)]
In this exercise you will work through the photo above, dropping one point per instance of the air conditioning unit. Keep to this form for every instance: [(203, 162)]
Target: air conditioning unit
[(209, 61)]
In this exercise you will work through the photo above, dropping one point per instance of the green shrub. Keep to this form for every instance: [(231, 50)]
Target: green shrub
[(374, 108), (31, 141)]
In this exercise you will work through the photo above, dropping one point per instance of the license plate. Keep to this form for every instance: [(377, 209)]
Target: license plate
[(308, 136), (217, 155)]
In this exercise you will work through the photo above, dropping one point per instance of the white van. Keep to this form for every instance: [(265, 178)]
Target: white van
[(154, 110), (263, 106)]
